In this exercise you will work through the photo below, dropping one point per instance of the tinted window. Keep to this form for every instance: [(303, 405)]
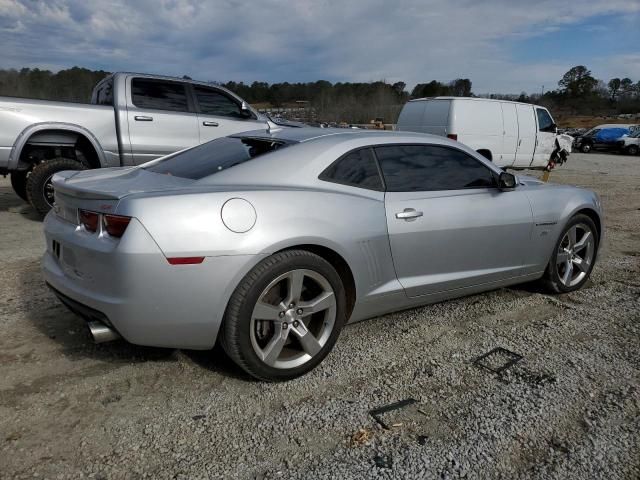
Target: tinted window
[(212, 157), (545, 122), (104, 94), (356, 168), (212, 102), (429, 167), (159, 95)]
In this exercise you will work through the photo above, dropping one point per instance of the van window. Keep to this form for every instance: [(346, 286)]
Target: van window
[(411, 114), (159, 95), (545, 122), (357, 168), (410, 168), (436, 113)]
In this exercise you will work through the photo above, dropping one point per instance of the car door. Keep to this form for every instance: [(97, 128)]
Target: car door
[(449, 225), (161, 119), (220, 115), (527, 130), (546, 138)]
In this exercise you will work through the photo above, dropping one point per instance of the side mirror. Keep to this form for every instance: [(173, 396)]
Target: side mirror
[(507, 181)]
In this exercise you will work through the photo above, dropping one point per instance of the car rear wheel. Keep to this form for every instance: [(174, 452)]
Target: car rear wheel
[(19, 183), (39, 187), (574, 256), (285, 316)]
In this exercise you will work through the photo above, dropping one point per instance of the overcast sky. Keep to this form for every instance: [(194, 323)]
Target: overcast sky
[(501, 45)]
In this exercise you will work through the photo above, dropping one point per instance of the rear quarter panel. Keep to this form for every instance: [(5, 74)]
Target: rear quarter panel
[(351, 224)]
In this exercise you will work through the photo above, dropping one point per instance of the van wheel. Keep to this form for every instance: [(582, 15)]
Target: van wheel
[(486, 154), (39, 187), (19, 183)]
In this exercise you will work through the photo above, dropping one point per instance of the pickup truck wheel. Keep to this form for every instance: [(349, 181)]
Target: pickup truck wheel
[(39, 187), (19, 183)]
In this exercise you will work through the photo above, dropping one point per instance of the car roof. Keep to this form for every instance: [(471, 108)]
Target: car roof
[(306, 134)]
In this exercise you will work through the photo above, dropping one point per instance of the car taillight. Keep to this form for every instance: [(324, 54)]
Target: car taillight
[(115, 225), (452, 136), (89, 220)]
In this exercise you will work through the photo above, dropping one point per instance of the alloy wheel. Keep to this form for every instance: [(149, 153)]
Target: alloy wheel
[(293, 319), (575, 254)]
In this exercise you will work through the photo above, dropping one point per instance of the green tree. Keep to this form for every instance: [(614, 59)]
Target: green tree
[(614, 87), (578, 82)]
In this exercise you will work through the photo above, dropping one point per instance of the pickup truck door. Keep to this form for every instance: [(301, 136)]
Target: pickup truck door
[(161, 119), (449, 225), (220, 115), (527, 130), (546, 138)]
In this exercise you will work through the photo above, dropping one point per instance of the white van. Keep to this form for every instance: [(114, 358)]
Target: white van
[(511, 134)]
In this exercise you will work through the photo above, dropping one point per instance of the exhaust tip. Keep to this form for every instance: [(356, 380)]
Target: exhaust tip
[(102, 333)]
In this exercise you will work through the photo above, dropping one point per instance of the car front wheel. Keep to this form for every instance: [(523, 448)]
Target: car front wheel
[(632, 149), (285, 316), (574, 256), (586, 148)]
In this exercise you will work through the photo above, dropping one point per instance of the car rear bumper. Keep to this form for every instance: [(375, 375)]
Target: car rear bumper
[(130, 285)]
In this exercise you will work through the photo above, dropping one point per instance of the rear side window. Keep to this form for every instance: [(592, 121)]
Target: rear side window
[(159, 95), (104, 93), (212, 102), (212, 157), (357, 169), (545, 122), (408, 168)]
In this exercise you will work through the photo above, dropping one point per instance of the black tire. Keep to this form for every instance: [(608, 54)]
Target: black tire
[(19, 183), (632, 150), (585, 148), (235, 335), (40, 178), (552, 280)]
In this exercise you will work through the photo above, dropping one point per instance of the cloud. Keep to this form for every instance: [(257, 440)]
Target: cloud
[(276, 40)]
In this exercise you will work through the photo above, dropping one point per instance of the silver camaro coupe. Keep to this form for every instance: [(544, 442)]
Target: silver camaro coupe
[(270, 241)]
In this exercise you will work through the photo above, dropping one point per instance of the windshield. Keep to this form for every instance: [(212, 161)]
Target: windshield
[(213, 157)]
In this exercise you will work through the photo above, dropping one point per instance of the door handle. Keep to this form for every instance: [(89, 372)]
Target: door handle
[(143, 118), (210, 124), (409, 214)]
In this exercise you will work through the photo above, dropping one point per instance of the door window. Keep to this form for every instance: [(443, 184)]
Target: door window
[(357, 168), (409, 168), (213, 102), (545, 122), (159, 95)]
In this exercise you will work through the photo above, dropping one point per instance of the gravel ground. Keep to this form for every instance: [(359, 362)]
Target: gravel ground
[(569, 409)]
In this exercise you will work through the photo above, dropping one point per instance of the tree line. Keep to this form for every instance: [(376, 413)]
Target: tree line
[(578, 92)]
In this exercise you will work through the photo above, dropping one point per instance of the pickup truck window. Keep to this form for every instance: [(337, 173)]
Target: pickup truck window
[(104, 93), (212, 157), (213, 102), (159, 95)]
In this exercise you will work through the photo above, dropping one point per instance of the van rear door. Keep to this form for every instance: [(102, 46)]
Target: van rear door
[(527, 130)]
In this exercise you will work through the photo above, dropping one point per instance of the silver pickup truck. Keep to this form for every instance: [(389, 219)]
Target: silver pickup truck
[(132, 118)]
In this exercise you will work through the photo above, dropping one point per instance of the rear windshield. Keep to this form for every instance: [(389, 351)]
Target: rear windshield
[(213, 157)]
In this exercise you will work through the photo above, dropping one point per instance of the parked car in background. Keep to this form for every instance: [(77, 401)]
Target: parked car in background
[(630, 144), (603, 137), (510, 134), (272, 240), (132, 118)]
